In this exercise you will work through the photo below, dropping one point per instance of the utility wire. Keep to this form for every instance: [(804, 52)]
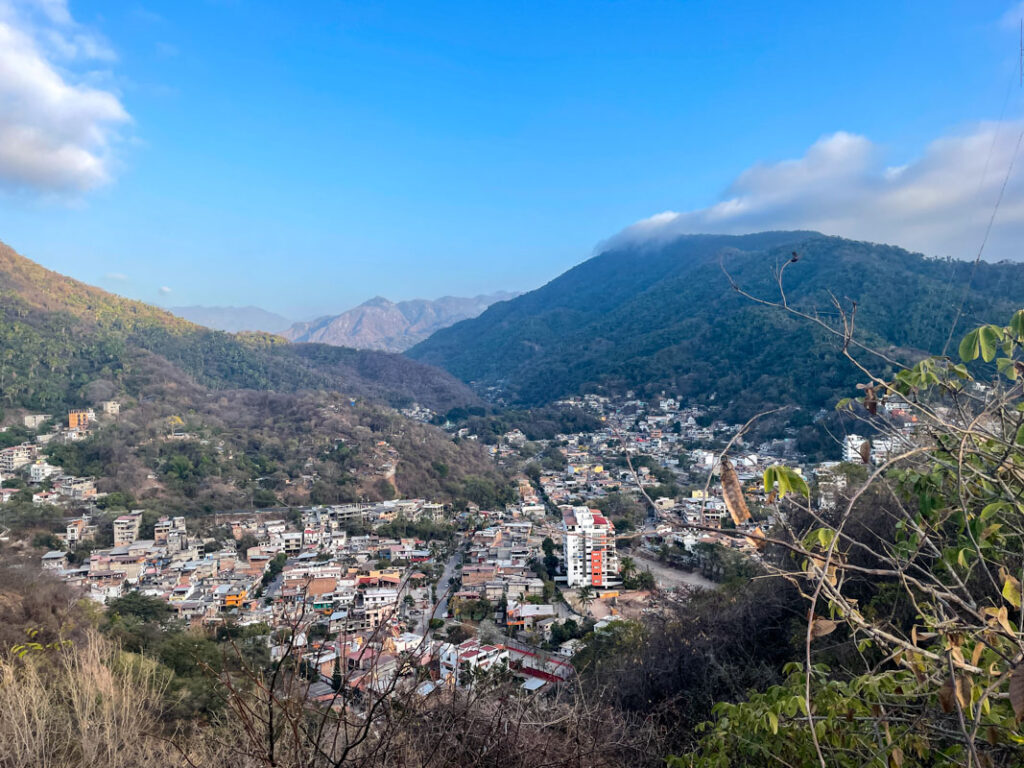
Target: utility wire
[(999, 199)]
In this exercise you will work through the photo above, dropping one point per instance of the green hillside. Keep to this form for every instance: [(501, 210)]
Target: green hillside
[(257, 421), (653, 317), (57, 335)]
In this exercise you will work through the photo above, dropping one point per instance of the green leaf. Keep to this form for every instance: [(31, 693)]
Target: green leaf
[(1011, 591), (970, 346), (1006, 367), (1017, 324), (988, 338), (773, 722), (788, 479)]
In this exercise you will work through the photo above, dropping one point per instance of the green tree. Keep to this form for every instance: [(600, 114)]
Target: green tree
[(586, 597), (913, 585), (336, 679), (143, 607), (627, 566)]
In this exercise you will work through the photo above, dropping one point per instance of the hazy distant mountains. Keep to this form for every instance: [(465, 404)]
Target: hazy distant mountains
[(392, 327), (234, 319)]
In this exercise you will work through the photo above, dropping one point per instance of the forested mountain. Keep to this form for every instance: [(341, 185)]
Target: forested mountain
[(211, 420), (234, 319), (57, 334), (389, 326), (662, 316)]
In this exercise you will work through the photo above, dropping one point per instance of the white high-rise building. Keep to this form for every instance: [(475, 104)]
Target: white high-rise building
[(851, 449), (589, 548)]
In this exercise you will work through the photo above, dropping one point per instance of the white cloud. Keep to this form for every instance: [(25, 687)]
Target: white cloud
[(938, 203), (120, 277), (56, 129), (164, 290)]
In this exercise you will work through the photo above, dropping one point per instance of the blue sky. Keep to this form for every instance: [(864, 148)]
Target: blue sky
[(306, 156)]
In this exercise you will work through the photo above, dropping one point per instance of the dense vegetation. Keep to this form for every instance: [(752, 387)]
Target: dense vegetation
[(542, 423), (219, 421), (178, 447), (656, 317), (58, 335)]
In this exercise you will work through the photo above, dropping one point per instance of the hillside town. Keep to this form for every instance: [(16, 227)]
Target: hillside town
[(605, 521)]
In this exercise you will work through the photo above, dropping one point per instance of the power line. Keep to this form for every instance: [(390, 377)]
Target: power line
[(999, 199), (984, 240)]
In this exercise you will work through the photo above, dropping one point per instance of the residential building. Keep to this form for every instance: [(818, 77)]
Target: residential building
[(34, 420), (166, 526), (17, 456), (80, 419), (851, 449), (456, 661), (40, 470), (126, 529), (589, 548), (77, 488), (55, 560)]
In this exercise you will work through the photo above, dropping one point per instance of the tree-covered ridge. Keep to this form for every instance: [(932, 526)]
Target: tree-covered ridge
[(57, 334), (664, 317), (256, 416)]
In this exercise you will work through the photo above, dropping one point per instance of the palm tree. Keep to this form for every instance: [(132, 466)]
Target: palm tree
[(627, 566), (586, 596)]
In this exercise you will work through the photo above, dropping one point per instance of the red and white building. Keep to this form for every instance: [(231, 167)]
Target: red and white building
[(589, 548)]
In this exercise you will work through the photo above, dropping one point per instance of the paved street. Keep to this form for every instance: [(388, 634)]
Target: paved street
[(442, 586)]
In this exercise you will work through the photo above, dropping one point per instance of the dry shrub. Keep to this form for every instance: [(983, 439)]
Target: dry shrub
[(84, 704)]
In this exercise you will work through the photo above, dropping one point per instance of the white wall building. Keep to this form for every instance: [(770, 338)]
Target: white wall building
[(588, 546), (455, 661), (851, 449)]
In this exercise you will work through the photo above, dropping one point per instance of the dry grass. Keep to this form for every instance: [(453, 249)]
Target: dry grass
[(83, 705)]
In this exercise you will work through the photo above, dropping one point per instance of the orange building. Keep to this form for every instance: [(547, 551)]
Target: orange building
[(80, 419), (235, 598)]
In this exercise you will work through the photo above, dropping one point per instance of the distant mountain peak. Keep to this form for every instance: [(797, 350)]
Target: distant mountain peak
[(378, 301), (382, 324)]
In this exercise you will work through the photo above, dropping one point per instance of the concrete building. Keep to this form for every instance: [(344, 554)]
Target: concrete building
[(40, 470), (126, 529), (457, 663), (851, 449), (589, 548), (34, 420), (80, 419), (17, 456)]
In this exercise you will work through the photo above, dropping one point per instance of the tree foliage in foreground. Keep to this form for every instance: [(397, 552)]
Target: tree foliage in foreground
[(936, 677)]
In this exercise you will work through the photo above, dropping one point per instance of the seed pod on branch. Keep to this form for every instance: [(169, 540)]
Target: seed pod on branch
[(732, 491), (871, 401)]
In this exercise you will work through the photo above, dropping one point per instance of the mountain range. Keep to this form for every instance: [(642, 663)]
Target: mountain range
[(391, 326), (234, 319), (57, 332), (663, 316), (255, 415)]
